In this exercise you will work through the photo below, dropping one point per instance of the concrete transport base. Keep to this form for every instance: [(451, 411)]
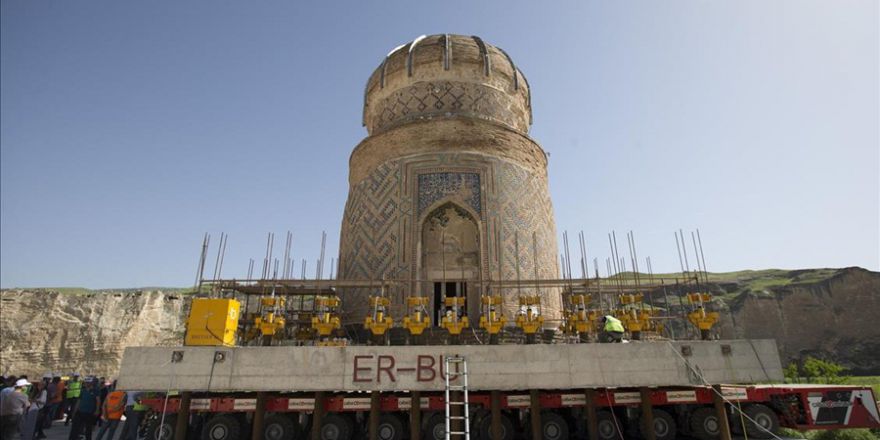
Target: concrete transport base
[(420, 368)]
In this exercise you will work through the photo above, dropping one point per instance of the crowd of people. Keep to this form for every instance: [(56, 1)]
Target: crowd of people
[(28, 408)]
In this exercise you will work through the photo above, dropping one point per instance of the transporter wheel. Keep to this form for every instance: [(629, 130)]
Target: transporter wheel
[(222, 427), (390, 427), (607, 426), (159, 430), (484, 428), (764, 417), (705, 424), (280, 427), (336, 427), (553, 427), (435, 427), (664, 426)]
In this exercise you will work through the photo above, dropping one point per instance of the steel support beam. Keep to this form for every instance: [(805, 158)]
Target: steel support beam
[(721, 413), (590, 413), (415, 415), (259, 415), (535, 413), (375, 407), (182, 415), (647, 414), (496, 414), (318, 415)]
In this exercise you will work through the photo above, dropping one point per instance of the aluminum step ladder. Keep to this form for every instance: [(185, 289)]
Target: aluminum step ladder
[(458, 366)]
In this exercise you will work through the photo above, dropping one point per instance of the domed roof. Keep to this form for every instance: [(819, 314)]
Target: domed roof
[(446, 76)]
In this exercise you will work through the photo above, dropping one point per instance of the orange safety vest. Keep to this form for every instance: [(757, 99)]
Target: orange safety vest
[(114, 406), (61, 387)]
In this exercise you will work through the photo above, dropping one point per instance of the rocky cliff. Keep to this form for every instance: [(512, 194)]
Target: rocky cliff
[(830, 314), (835, 318), (83, 331), (826, 313)]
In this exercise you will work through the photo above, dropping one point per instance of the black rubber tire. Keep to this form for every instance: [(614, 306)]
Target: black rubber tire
[(391, 427), (435, 427), (765, 417), (336, 427), (156, 430), (704, 423), (222, 427), (280, 427), (664, 426), (484, 428), (608, 427), (553, 427)]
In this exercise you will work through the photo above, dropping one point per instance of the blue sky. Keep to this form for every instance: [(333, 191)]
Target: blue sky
[(131, 128)]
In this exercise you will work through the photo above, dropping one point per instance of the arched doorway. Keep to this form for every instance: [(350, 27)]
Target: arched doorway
[(450, 257)]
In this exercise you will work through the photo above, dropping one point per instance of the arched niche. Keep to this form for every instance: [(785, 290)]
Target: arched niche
[(450, 255)]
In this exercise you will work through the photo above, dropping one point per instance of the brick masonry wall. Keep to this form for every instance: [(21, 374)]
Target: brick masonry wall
[(385, 212), (448, 119)]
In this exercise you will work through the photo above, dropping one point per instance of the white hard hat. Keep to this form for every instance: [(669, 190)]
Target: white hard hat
[(21, 383)]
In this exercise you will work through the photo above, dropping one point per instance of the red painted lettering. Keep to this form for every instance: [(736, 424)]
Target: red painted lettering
[(386, 369), (426, 371), (357, 370)]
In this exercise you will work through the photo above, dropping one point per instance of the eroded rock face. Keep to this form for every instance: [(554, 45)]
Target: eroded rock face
[(836, 319), (44, 331)]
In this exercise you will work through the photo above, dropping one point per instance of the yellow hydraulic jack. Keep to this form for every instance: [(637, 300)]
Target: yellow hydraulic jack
[(326, 319), (379, 322), (700, 318), (270, 323), (578, 320), (529, 318), (417, 318), (491, 319), (634, 317), (453, 321)]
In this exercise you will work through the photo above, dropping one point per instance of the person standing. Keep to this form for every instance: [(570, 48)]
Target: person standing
[(105, 389), (86, 411), (133, 412), (111, 412), (15, 403), (8, 386), (58, 400), (32, 416), (71, 395), (54, 398)]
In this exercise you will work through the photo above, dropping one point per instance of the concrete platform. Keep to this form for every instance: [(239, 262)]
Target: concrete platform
[(404, 368)]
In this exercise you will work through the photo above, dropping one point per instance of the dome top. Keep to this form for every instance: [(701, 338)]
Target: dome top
[(446, 76)]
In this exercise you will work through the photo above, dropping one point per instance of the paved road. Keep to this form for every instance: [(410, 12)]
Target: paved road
[(60, 432)]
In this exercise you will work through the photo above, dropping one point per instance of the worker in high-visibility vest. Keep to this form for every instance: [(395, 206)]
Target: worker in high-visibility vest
[(612, 330), (57, 400), (71, 396), (134, 411), (111, 412)]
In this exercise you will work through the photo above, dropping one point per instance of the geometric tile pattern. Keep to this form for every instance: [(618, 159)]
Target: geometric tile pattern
[(427, 99), (522, 206), (461, 186), (369, 237), (380, 230)]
